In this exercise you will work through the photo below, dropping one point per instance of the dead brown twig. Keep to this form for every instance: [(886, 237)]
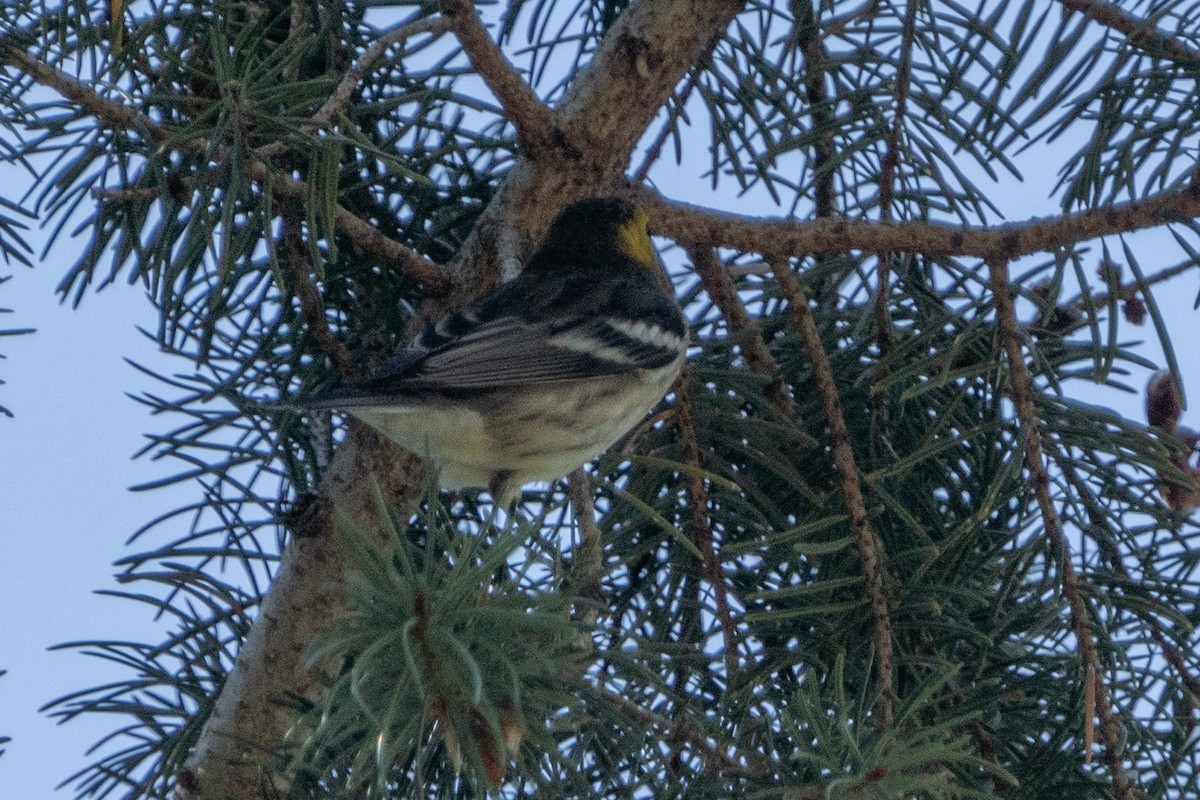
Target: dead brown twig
[(721, 290), (312, 307), (868, 546), (701, 523), (1021, 391)]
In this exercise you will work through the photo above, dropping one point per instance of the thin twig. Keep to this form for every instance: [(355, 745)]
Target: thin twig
[(1141, 32), (746, 332), (694, 225), (1021, 390), (1170, 653), (839, 25), (296, 256), (655, 149), (340, 99), (111, 113), (130, 194), (750, 764), (1130, 289), (817, 92), (868, 546), (535, 123), (887, 189), (701, 523), (587, 565)]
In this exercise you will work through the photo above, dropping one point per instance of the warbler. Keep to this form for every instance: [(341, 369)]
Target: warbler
[(545, 372)]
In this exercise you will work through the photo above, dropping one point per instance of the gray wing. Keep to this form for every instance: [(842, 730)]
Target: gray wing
[(509, 350)]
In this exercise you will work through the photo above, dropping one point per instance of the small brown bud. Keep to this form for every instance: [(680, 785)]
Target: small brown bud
[(1164, 403), (1164, 407), (1135, 310)]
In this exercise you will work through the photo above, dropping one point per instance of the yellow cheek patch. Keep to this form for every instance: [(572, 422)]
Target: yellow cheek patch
[(635, 239)]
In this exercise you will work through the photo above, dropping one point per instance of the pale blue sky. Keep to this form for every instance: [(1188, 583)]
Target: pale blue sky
[(64, 472)]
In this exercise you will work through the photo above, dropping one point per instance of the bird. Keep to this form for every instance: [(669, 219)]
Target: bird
[(543, 373)]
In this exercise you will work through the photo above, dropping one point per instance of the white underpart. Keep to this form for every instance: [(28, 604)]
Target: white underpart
[(533, 432), (437, 434)]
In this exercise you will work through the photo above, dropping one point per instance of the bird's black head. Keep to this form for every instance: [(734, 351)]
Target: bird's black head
[(596, 227)]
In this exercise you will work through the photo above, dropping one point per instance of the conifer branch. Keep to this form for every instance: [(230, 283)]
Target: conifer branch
[(745, 331), (362, 233), (870, 550), (1140, 32), (617, 101), (535, 124), (312, 307), (243, 738), (881, 308), (1021, 391), (340, 99), (587, 565), (370, 240), (716, 754), (887, 185), (701, 523), (824, 157), (946, 485), (694, 225), (118, 116), (335, 105), (112, 114)]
